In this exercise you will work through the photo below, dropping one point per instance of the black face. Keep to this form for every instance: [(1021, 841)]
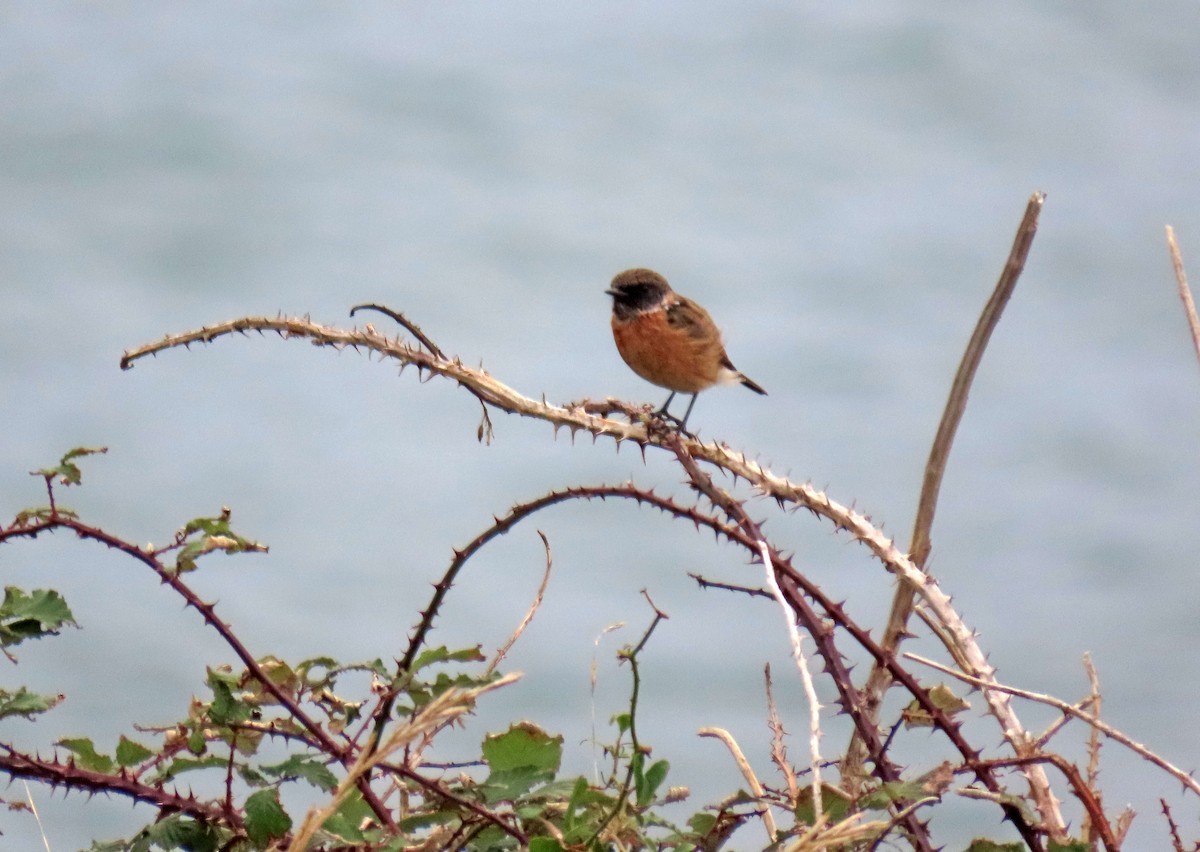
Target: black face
[(637, 290)]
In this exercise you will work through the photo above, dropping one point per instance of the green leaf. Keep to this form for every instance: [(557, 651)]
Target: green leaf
[(86, 754), (623, 721), (980, 844), (30, 616), (523, 746), (1069, 846), (943, 697), (310, 769), (130, 753), (265, 817), (25, 703), (196, 743), (441, 654), (519, 759), (649, 782), (226, 708), (834, 804), (67, 470), (180, 832), (425, 819), (545, 844), (885, 795), (511, 784), (345, 821), (575, 802), (187, 764), (216, 534)]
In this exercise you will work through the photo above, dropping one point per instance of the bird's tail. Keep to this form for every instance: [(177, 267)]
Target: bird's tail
[(750, 383)]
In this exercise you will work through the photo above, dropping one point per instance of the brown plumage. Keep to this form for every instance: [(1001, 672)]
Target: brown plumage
[(668, 339)]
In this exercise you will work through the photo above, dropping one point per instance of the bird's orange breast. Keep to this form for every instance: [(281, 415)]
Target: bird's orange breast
[(667, 355)]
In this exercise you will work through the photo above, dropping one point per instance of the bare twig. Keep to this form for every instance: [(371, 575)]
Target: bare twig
[(810, 689), (502, 652), (1082, 792), (1093, 704), (1112, 733), (38, 817), (1176, 840), (905, 596), (935, 467), (756, 788), (1185, 292), (778, 743), (409, 325)]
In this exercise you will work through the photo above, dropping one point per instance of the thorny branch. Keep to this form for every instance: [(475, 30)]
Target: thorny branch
[(641, 428), (646, 433)]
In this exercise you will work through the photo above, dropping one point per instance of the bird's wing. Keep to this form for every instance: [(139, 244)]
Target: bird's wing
[(686, 315)]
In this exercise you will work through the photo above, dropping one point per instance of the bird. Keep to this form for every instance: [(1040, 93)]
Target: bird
[(668, 339)]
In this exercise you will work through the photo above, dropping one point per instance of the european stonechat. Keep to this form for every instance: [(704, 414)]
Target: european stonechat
[(669, 340)]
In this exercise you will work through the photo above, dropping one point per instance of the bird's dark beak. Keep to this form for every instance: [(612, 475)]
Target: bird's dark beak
[(613, 293)]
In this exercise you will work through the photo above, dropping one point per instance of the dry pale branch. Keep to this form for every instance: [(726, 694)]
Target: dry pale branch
[(756, 788), (778, 743), (1185, 292), (810, 689), (1184, 778), (961, 645)]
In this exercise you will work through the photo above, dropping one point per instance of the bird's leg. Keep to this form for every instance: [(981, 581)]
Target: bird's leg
[(687, 414), (662, 412)]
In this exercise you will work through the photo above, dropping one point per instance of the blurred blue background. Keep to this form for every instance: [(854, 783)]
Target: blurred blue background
[(839, 185)]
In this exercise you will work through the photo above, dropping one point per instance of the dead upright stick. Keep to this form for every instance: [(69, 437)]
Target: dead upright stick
[(1185, 292), (902, 603)]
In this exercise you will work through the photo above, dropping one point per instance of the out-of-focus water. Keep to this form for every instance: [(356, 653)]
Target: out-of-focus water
[(839, 184)]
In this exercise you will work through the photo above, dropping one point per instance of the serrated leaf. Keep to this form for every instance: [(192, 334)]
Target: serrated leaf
[(426, 819), (523, 745), (545, 844), (67, 471), (345, 821), (180, 832), (24, 616), (25, 703), (130, 753), (310, 769), (265, 817), (441, 654), (519, 759), (187, 764), (86, 754), (226, 708), (214, 534)]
